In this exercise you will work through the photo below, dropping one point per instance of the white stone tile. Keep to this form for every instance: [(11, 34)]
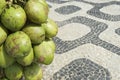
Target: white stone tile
[(109, 34), (73, 31), (111, 9)]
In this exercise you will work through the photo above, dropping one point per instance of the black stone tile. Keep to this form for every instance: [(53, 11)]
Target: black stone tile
[(69, 9), (98, 72)]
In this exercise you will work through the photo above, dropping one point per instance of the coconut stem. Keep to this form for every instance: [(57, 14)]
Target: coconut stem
[(9, 2), (20, 2)]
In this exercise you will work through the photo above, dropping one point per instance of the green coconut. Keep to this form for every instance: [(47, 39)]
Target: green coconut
[(5, 59), (51, 28), (44, 52), (18, 44), (13, 18), (44, 3), (35, 32), (27, 60), (33, 72), (14, 72), (3, 34), (2, 5), (38, 13)]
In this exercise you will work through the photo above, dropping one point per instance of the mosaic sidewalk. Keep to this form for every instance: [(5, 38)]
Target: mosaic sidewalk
[(88, 41)]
